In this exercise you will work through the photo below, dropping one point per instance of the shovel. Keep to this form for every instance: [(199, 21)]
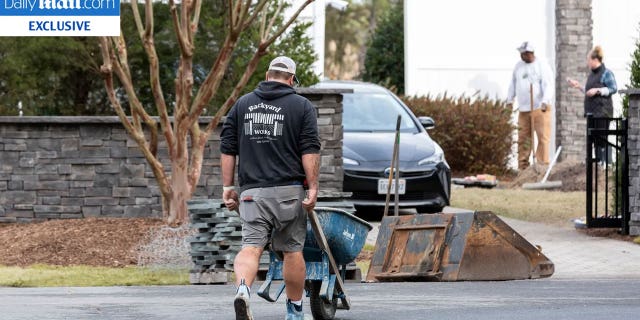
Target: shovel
[(544, 184), (394, 171), (533, 149)]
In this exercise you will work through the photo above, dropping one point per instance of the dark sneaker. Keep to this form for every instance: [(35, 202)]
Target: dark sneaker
[(241, 303), (294, 312)]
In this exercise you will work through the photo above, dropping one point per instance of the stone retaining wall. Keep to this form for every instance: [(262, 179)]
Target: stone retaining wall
[(74, 167)]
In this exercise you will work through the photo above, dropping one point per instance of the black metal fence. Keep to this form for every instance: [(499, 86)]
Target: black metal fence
[(607, 173)]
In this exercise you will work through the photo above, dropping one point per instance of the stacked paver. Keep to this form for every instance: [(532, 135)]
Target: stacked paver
[(216, 243)]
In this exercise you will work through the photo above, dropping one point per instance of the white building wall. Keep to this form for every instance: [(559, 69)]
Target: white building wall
[(468, 46), (465, 46)]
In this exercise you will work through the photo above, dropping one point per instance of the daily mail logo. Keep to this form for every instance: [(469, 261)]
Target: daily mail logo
[(74, 18)]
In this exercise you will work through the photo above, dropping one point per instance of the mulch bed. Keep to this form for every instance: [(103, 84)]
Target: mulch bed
[(606, 233), (110, 242)]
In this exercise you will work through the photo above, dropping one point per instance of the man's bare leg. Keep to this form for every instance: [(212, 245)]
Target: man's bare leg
[(246, 265), (294, 274)]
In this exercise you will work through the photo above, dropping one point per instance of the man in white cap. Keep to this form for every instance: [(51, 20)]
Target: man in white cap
[(274, 133), (532, 84)]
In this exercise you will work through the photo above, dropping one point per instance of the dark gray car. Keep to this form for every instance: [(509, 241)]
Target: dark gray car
[(369, 122)]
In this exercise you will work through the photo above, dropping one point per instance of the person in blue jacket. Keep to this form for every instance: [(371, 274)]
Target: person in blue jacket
[(600, 87)]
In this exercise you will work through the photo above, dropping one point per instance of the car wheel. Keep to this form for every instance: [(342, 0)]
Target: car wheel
[(369, 213), (429, 209)]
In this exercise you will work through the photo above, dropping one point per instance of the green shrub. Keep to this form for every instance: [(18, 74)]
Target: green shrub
[(476, 133)]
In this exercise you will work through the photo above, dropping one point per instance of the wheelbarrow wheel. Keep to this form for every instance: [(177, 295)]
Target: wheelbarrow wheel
[(320, 309)]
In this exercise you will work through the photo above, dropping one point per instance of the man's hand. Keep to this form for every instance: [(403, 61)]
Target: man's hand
[(230, 198), (309, 201), (592, 92), (573, 83), (229, 195)]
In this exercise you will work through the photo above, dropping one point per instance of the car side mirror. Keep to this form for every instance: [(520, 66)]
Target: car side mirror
[(427, 122)]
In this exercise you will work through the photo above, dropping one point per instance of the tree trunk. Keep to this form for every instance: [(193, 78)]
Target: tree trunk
[(180, 189)]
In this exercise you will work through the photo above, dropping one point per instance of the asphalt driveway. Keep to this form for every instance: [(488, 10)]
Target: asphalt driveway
[(532, 299)]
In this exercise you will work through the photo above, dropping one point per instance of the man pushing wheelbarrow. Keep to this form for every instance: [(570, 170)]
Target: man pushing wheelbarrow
[(273, 131)]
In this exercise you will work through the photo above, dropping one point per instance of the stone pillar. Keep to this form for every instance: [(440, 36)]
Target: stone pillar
[(573, 41), (633, 147), (329, 106)]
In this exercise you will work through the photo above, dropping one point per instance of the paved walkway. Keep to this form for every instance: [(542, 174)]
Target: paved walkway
[(575, 255)]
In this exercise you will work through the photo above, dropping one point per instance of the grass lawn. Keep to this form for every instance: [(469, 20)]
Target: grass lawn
[(530, 205), (84, 276)]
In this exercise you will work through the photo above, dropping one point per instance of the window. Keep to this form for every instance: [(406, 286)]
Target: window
[(370, 112)]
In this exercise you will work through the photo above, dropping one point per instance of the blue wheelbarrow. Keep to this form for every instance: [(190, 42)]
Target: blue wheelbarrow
[(334, 239)]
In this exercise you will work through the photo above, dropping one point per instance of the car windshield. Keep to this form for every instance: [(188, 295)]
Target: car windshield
[(372, 112)]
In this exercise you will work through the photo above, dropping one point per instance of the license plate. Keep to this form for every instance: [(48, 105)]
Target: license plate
[(383, 184)]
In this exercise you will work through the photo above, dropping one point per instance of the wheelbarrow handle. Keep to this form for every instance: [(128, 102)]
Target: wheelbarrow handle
[(333, 266)]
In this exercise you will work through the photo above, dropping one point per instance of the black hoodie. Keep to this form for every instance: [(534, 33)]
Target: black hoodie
[(270, 129)]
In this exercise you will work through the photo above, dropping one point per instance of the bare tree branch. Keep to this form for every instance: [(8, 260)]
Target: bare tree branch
[(259, 7), (282, 29), (137, 18), (177, 27), (236, 16), (244, 10), (136, 106), (107, 73), (250, 69), (185, 24), (148, 16), (108, 55), (263, 24), (275, 16), (147, 38), (196, 17), (213, 79), (119, 58), (230, 14)]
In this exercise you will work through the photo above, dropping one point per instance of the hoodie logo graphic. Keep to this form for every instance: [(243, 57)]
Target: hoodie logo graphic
[(261, 125)]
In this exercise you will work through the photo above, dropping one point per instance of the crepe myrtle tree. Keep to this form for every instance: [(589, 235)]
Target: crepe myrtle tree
[(182, 125)]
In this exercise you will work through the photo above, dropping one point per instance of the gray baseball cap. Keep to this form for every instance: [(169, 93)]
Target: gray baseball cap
[(284, 64)]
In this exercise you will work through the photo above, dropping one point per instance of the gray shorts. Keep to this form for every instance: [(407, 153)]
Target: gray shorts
[(276, 214)]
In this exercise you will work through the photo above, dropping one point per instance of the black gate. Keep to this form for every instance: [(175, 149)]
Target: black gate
[(607, 173)]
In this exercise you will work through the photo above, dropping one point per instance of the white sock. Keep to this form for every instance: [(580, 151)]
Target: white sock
[(242, 283), (297, 303)]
